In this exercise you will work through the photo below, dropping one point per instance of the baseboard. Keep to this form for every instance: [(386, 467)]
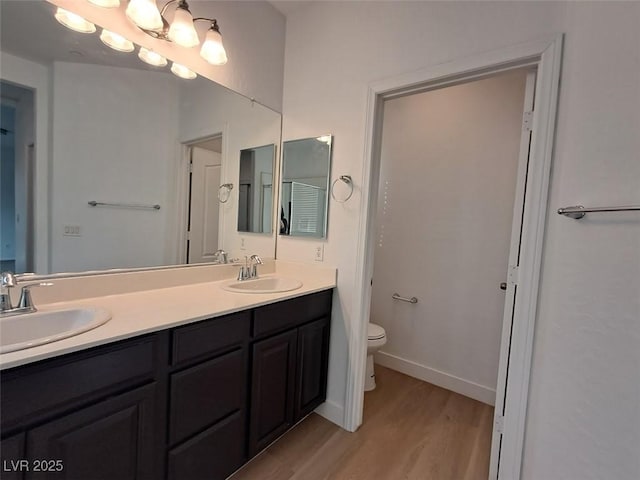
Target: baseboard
[(436, 377), (332, 412)]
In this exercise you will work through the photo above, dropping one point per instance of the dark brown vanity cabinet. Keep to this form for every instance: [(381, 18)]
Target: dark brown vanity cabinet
[(96, 414), (289, 365), (188, 403)]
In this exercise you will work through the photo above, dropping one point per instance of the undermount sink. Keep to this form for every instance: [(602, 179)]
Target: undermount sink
[(32, 329), (267, 284)]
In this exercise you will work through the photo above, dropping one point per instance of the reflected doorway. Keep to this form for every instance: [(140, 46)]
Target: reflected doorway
[(17, 134), (205, 165)]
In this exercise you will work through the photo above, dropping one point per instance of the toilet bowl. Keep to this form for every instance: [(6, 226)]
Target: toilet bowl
[(376, 339)]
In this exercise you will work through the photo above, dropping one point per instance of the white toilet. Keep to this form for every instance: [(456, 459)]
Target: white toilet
[(377, 338)]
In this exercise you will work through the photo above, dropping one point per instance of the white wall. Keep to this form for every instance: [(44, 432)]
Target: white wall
[(111, 143), (583, 419), (253, 34), (448, 168)]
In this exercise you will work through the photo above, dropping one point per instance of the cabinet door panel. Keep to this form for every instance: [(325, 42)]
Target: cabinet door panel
[(204, 394), (211, 455), (272, 388), (112, 439), (313, 357), (12, 451)]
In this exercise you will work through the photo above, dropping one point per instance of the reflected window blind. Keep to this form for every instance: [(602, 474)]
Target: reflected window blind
[(307, 209)]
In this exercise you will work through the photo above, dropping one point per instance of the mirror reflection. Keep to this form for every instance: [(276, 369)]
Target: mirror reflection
[(305, 185), (255, 189), (121, 133)]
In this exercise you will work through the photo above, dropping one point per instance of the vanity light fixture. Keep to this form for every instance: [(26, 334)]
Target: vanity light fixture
[(147, 17), (73, 21), (106, 3), (115, 41), (151, 57), (182, 71)]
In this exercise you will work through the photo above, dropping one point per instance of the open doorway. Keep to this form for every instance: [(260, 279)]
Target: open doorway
[(449, 196), (518, 322), (17, 140), (203, 205)]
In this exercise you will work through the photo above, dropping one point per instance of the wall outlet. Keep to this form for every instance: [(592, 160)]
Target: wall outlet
[(242, 245), (319, 253), (71, 231)]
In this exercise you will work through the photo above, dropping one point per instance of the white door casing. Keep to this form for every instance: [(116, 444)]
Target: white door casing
[(545, 54)]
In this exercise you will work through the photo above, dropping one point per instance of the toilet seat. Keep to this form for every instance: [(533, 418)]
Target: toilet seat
[(376, 332)]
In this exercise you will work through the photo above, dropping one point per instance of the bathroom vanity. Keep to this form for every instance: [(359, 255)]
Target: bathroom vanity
[(192, 401)]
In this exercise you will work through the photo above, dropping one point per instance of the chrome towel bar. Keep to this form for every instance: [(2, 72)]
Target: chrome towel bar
[(396, 296), (578, 211), (93, 203)]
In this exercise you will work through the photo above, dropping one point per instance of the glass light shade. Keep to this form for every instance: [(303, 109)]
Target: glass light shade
[(73, 21), (151, 57), (212, 49), (182, 71), (115, 41), (106, 3), (182, 30), (145, 14)]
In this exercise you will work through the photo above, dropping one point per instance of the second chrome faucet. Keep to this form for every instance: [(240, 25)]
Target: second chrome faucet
[(250, 268)]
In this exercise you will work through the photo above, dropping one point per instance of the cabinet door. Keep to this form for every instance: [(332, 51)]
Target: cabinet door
[(313, 357), (112, 439), (13, 461), (272, 388)]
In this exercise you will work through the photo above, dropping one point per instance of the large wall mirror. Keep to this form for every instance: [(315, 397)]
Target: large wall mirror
[(255, 189), (305, 185), (121, 132)]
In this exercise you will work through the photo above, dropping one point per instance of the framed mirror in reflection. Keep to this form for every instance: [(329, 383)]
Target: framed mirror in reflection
[(120, 132), (304, 187), (255, 189)]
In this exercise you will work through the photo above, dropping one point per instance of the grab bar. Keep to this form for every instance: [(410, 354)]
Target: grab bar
[(579, 211), (396, 296), (93, 203)]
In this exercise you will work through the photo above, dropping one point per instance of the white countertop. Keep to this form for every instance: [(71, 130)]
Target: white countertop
[(148, 311)]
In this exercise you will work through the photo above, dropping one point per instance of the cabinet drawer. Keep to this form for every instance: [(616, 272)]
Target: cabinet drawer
[(209, 337), (66, 382), (206, 393), (213, 454), (291, 313)]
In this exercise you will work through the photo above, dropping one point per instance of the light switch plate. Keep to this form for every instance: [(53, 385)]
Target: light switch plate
[(71, 231)]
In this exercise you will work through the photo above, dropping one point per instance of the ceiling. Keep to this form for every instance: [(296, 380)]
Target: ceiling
[(287, 7), (29, 30)]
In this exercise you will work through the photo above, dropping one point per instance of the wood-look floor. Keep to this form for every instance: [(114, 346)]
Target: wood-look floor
[(411, 430)]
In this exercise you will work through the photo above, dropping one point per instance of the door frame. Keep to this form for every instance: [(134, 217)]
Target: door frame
[(545, 54), (183, 191)]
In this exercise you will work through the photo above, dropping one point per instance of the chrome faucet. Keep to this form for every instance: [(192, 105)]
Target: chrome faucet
[(250, 268), (25, 304), (221, 256), (255, 261), (7, 281)]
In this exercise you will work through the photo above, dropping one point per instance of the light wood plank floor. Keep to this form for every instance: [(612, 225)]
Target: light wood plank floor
[(411, 430)]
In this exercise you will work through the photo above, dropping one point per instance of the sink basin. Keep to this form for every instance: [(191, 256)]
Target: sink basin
[(31, 329), (272, 284)]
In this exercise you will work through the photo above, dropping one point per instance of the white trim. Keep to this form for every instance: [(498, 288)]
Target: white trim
[(436, 377), (331, 411), (546, 55)]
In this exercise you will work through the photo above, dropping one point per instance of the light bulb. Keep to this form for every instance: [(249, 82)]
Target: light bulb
[(115, 41), (73, 21), (182, 71), (106, 3), (212, 49), (182, 30), (151, 57), (145, 14)]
